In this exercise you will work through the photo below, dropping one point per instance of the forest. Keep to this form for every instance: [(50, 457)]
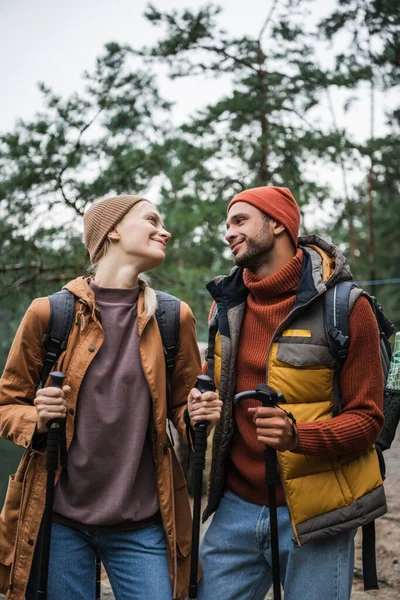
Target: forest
[(285, 120)]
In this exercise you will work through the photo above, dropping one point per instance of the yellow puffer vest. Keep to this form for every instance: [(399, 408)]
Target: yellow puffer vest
[(324, 495)]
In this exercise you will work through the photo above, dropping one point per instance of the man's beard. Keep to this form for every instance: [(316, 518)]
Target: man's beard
[(258, 252)]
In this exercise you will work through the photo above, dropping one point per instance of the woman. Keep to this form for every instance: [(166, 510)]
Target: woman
[(123, 494)]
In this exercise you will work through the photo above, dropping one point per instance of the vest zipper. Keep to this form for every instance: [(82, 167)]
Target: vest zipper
[(280, 328), (334, 304)]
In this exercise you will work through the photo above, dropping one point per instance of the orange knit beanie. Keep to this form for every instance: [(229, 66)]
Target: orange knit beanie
[(277, 202)]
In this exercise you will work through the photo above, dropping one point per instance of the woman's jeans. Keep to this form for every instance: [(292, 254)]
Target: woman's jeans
[(135, 561), (236, 557)]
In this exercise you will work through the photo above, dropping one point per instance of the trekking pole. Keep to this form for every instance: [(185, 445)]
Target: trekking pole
[(269, 397), (204, 384), (98, 576), (55, 427)]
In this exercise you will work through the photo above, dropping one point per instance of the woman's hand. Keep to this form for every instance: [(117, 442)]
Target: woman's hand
[(204, 407), (50, 404)]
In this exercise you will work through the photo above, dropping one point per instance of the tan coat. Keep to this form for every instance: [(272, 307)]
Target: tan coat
[(22, 512)]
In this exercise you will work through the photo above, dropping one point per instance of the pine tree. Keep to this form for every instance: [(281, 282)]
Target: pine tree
[(368, 222)]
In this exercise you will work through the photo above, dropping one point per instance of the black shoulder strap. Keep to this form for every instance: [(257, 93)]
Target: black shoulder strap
[(336, 315), (60, 323), (168, 319)]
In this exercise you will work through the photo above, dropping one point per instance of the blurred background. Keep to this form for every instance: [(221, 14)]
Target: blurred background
[(188, 103)]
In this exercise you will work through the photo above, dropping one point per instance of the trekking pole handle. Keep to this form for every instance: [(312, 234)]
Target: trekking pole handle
[(54, 429), (57, 380), (264, 393), (204, 384)]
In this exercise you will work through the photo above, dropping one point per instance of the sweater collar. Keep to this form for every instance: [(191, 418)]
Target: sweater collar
[(281, 283), (104, 295)]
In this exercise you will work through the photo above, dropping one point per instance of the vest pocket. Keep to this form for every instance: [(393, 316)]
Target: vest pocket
[(9, 520), (301, 373), (305, 355)]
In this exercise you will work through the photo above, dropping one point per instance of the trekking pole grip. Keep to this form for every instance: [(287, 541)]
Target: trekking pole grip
[(204, 384), (57, 379), (54, 425)]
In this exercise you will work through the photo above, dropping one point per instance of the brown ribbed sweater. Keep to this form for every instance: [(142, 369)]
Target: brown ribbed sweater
[(269, 302)]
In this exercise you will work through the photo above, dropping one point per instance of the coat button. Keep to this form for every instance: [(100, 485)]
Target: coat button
[(91, 348), (71, 411), (169, 532), (31, 542)]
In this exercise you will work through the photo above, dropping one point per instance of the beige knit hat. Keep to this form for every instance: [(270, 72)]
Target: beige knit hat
[(101, 217)]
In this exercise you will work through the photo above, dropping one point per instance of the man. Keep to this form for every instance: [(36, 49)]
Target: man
[(271, 330)]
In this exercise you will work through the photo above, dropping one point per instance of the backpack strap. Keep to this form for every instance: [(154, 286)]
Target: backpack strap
[(386, 330), (336, 314), (168, 319), (338, 302), (60, 323), (370, 574)]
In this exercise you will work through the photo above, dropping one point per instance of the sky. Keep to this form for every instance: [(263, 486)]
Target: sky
[(55, 41)]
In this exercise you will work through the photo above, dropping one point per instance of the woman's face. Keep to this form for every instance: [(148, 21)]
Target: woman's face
[(142, 236)]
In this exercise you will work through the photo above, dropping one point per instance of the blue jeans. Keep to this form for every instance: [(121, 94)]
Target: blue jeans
[(236, 557), (135, 561)]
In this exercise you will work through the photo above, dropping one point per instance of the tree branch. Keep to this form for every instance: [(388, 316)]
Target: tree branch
[(33, 276), (72, 203), (32, 265), (267, 20), (225, 53)]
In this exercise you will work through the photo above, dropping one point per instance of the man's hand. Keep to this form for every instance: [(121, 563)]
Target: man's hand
[(274, 428), (50, 404), (204, 407)]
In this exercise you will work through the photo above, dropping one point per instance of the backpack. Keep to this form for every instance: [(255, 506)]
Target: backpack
[(338, 302), (60, 323)]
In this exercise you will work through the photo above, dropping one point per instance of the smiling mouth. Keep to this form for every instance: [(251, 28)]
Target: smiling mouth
[(235, 247), (162, 243)]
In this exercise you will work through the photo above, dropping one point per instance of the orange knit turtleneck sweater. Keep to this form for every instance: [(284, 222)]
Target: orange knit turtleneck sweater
[(268, 303)]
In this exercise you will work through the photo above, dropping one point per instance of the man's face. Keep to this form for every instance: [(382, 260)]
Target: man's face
[(250, 237)]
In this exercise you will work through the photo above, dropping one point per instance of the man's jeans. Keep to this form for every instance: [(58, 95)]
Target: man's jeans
[(135, 561), (236, 557)]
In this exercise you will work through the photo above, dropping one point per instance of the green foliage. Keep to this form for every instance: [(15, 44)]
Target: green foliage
[(367, 218), (260, 125), (116, 137)]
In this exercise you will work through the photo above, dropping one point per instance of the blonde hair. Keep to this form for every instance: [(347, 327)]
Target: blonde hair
[(150, 297)]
